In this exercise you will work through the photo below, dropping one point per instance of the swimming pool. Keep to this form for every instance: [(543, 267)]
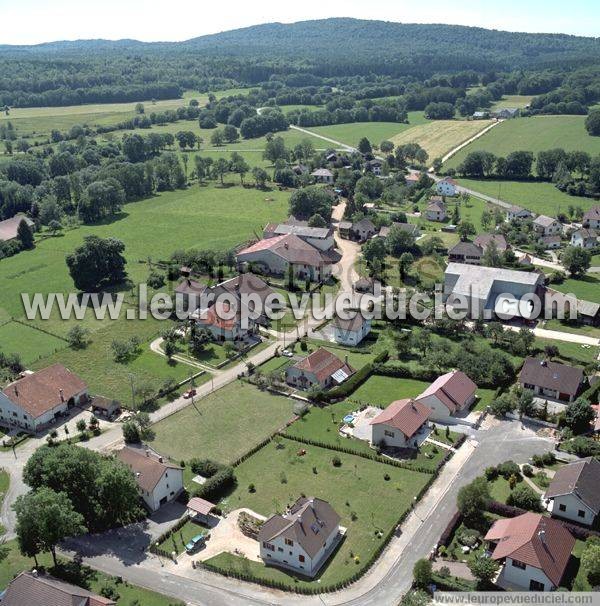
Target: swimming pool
[(349, 419)]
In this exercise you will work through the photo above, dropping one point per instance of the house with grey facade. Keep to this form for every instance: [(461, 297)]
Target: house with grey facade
[(303, 538), (574, 492)]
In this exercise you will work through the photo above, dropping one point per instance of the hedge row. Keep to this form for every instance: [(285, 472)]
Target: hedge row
[(164, 536), (214, 487), (453, 524), (451, 583), (357, 453)]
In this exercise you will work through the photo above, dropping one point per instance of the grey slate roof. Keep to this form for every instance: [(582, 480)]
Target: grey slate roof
[(551, 375), (309, 522), (581, 478), (302, 231)]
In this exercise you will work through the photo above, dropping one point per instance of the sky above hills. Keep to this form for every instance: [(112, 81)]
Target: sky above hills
[(34, 21)]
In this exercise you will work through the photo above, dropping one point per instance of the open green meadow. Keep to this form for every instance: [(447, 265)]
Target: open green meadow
[(380, 390), (358, 490), (586, 287), (519, 101), (375, 132), (533, 134), (151, 228), (31, 343), (223, 425), (539, 197)]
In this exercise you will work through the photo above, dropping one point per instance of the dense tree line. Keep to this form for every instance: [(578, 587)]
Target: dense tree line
[(575, 172)]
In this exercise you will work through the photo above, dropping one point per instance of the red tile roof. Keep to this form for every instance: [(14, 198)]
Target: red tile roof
[(291, 248), (29, 589), (45, 389), (406, 415), (454, 390), (536, 540), (323, 364), (201, 506)]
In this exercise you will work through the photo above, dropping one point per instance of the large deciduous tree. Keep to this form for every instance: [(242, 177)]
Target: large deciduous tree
[(97, 263)]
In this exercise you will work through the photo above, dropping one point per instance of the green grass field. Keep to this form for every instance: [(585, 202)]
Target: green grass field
[(196, 215), (586, 288), (376, 132), (4, 484), (532, 134), (381, 391), (32, 344), (92, 580), (512, 101), (224, 425), (280, 476), (541, 198)]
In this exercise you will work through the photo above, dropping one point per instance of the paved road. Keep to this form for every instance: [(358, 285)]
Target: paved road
[(388, 579)]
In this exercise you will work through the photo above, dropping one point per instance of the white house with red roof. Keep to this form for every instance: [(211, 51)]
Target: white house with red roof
[(276, 255), (403, 424), (534, 550), (448, 395), (36, 400), (226, 321), (320, 369), (446, 187)]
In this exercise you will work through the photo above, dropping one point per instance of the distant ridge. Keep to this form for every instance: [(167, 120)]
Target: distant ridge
[(381, 38)]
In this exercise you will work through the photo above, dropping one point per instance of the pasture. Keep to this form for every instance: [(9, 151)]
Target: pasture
[(31, 343), (512, 101), (586, 287), (223, 425), (532, 134), (357, 489), (438, 137), (539, 197)]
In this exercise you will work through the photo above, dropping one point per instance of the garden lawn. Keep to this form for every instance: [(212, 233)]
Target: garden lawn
[(539, 197), (380, 390), (180, 538), (586, 287), (224, 425), (280, 476), (32, 344), (580, 582), (438, 137), (570, 352), (533, 134), (356, 359), (278, 363), (322, 425), (92, 580), (486, 397)]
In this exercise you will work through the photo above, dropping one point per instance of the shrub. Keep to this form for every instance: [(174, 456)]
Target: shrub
[(336, 461), (491, 473), (527, 471), (508, 469), (251, 488), (216, 486), (204, 467), (524, 497), (468, 537)]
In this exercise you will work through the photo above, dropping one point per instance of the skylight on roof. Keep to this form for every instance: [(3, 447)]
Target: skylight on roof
[(339, 376)]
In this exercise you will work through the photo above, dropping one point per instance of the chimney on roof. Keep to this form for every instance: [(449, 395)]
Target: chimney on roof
[(160, 459), (543, 363), (34, 573), (62, 395), (147, 452), (16, 390), (286, 245), (346, 358)]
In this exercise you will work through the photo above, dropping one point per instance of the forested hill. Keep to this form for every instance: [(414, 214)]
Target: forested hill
[(440, 47)]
